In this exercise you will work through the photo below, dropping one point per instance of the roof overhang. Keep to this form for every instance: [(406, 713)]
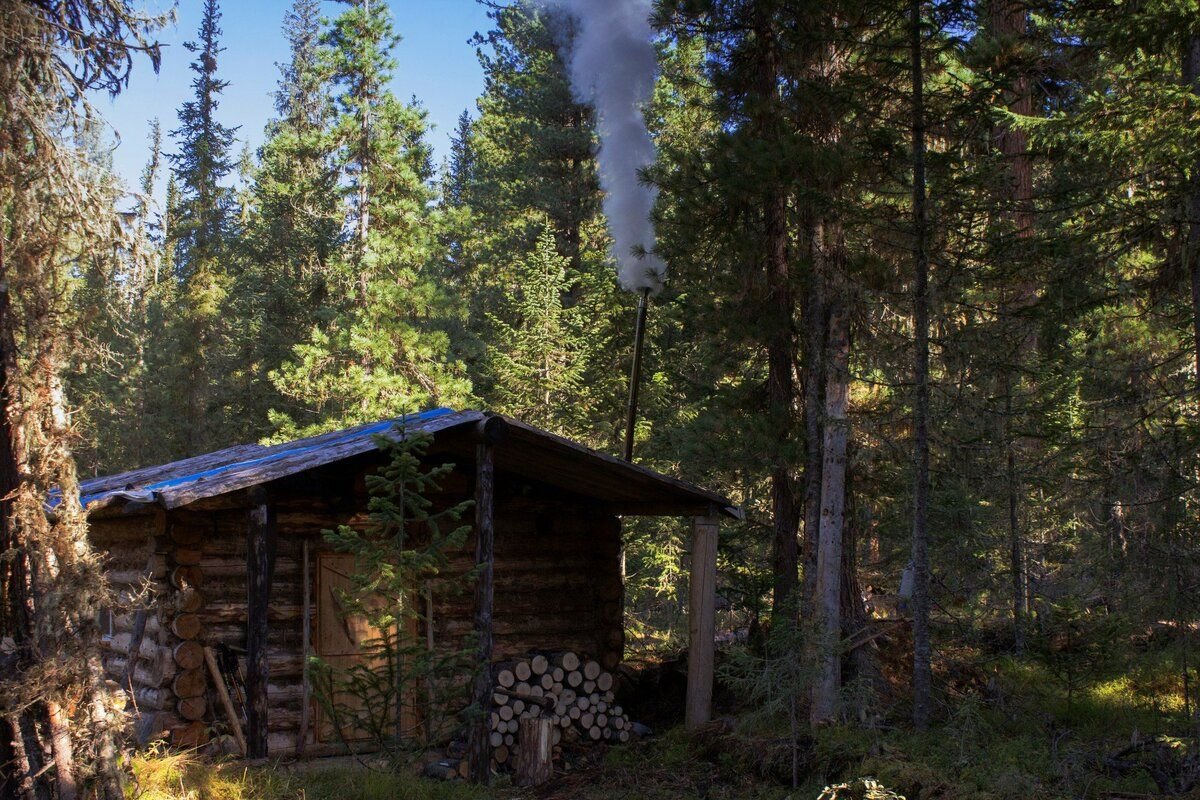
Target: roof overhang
[(526, 451)]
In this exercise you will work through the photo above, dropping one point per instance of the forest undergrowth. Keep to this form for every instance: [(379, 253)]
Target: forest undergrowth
[(1010, 728)]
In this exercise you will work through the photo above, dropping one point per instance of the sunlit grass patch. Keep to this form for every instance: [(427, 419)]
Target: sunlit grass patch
[(185, 776)]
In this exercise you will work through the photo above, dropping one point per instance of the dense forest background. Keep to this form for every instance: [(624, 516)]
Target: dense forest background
[(996, 265)]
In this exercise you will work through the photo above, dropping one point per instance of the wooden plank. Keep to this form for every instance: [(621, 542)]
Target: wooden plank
[(345, 640), (339, 632), (479, 748), (260, 564), (702, 591)]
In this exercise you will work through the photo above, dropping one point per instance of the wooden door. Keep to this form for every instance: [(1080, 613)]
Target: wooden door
[(345, 640)]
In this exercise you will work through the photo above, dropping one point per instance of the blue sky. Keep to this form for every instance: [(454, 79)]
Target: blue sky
[(435, 64)]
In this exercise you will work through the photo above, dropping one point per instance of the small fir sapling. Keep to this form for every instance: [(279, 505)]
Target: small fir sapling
[(399, 556)]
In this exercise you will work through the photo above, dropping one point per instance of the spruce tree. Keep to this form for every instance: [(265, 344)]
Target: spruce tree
[(201, 257), (460, 164), (384, 350), (203, 160), (542, 349), (531, 165), (111, 379), (289, 251)]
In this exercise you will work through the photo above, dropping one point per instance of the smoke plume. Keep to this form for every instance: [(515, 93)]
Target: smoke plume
[(611, 64)]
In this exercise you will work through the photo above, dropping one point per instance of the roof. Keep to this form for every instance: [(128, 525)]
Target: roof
[(526, 450)]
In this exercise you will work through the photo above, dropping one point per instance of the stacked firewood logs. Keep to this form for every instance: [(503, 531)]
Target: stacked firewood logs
[(574, 693)]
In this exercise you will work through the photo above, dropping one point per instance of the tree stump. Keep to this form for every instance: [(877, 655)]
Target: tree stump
[(535, 752)]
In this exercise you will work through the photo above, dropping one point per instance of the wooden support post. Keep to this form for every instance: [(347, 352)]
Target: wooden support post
[(305, 647), (260, 568), (479, 747), (701, 621)]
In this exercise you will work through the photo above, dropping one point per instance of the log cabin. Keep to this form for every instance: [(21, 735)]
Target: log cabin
[(227, 549)]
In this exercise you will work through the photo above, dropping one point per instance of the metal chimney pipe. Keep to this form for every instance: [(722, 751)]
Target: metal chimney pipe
[(635, 374)]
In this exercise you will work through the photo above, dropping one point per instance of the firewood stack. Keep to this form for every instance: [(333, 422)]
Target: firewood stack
[(575, 693)]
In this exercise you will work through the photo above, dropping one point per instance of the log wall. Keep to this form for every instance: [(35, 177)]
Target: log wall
[(557, 587), (152, 569)]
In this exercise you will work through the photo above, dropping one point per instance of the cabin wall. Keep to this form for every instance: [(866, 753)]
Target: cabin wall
[(150, 646), (557, 587), (224, 616), (136, 564)]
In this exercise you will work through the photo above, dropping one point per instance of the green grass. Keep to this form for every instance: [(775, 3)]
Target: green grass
[(185, 776), (1027, 741)]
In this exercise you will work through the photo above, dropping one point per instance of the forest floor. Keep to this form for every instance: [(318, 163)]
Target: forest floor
[(1011, 729)]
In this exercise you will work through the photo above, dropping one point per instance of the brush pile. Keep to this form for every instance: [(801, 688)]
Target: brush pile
[(574, 693)]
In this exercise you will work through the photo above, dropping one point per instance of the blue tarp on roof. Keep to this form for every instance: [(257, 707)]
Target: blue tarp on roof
[(157, 483)]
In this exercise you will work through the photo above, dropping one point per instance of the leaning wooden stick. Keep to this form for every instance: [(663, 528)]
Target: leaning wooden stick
[(223, 694)]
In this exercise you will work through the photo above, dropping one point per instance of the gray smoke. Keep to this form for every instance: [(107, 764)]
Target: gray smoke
[(611, 64)]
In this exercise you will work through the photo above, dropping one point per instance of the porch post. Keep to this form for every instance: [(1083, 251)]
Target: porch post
[(260, 569), (489, 431), (701, 621)]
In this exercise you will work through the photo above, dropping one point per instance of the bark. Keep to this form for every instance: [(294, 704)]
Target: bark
[(363, 192), (815, 326), (1191, 77), (1008, 20), (780, 328), (827, 685), (63, 752), (1016, 549), (27, 761), (922, 674), (17, 621)]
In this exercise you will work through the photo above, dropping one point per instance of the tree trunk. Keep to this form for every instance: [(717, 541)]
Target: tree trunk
[(827, 685), (1191, 77), (18, 610), (922, 674), (815, 326), (779, 323), (1008, 21), (64, 754), (1016, 549), (363, 190), (535, 763), (702, 593)]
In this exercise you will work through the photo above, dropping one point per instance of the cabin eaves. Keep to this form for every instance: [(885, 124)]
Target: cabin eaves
[(528, 451)]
